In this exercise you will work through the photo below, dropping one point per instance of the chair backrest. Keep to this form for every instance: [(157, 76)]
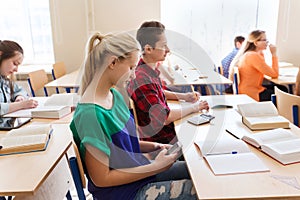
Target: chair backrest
[(132, 108), (78, 173), (37, 80), (220, 70), (59, 69), (236, 80), (288, 105)]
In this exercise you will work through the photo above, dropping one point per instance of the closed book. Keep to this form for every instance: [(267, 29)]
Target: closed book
[(262, 116), (24, 140), (51, 112)]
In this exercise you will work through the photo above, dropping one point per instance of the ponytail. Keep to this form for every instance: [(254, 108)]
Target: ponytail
[(99, 47)]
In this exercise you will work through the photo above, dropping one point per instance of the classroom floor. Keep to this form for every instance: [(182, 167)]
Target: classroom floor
[(75, 197)]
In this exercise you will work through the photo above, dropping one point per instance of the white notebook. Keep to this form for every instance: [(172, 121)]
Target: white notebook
[(232, 156)]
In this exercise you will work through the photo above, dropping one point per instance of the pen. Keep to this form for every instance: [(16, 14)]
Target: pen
[(233, 152), (232, 134), (193, 91)]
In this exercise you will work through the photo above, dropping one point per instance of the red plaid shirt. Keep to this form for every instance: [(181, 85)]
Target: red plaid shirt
[(151, 106)]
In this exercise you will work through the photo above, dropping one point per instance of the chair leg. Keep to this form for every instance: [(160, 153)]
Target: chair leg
[(68, 90), (77, 178), (32, 92), (295, 115), (45, 91), (68, 195), (273, 99)]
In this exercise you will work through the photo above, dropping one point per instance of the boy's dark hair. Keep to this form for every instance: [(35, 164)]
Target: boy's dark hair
[(149, 32), (239, 39)]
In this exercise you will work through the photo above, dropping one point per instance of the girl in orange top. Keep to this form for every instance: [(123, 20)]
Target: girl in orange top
[(252, 66)]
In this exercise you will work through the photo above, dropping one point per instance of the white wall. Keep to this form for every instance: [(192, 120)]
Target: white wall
[(69, 29), (288, 31), (117, 15), (214, 24), (74, 20)]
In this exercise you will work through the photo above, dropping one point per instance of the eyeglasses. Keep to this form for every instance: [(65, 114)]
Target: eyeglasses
[(264, 40)]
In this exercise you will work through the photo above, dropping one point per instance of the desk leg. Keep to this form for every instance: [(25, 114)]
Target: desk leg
[(55, 186), (290, 88), (68, 90)]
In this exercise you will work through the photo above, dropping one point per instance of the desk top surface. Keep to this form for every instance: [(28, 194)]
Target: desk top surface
[(280, 182), (195, 77), (67, 80), (287, 75), (24, 173)]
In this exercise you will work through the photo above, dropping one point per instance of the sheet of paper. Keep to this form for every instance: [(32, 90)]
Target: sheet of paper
[(235, 163)]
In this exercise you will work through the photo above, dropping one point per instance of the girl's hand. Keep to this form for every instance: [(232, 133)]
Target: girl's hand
[(273, 49), (157, 147), (29, 104), (160, 146), (163, 161)]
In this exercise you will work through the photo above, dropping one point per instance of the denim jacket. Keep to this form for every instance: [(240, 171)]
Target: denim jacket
[(5, 94)]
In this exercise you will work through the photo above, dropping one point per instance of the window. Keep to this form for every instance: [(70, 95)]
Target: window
[(28, 23)]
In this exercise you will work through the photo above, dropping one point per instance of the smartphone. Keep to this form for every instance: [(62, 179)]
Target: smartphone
[(175, 148)]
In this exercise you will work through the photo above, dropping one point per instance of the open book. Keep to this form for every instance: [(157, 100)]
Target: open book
[(280, 144), (27, 139), (262, 116), (55, 106), (65, 99), (232, 156)]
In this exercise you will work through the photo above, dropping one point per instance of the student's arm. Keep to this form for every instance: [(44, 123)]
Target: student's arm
[(97, 164), (152, 146), (26, 104), (14, 106), (260, 64), (176, 114), (188, 97)]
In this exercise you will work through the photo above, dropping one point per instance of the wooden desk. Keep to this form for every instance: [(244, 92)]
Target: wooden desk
[(24, 174), (287, 76), (24, 70), (240, 186), (195, 77), (68, 81)]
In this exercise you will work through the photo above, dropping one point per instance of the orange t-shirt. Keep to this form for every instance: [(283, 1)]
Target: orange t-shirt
[(252, 68)]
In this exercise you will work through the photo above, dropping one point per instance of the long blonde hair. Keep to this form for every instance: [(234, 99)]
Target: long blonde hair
[(248, 45), (99, 47)]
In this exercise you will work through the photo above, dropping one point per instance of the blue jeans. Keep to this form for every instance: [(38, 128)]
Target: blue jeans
[(173, 183)]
